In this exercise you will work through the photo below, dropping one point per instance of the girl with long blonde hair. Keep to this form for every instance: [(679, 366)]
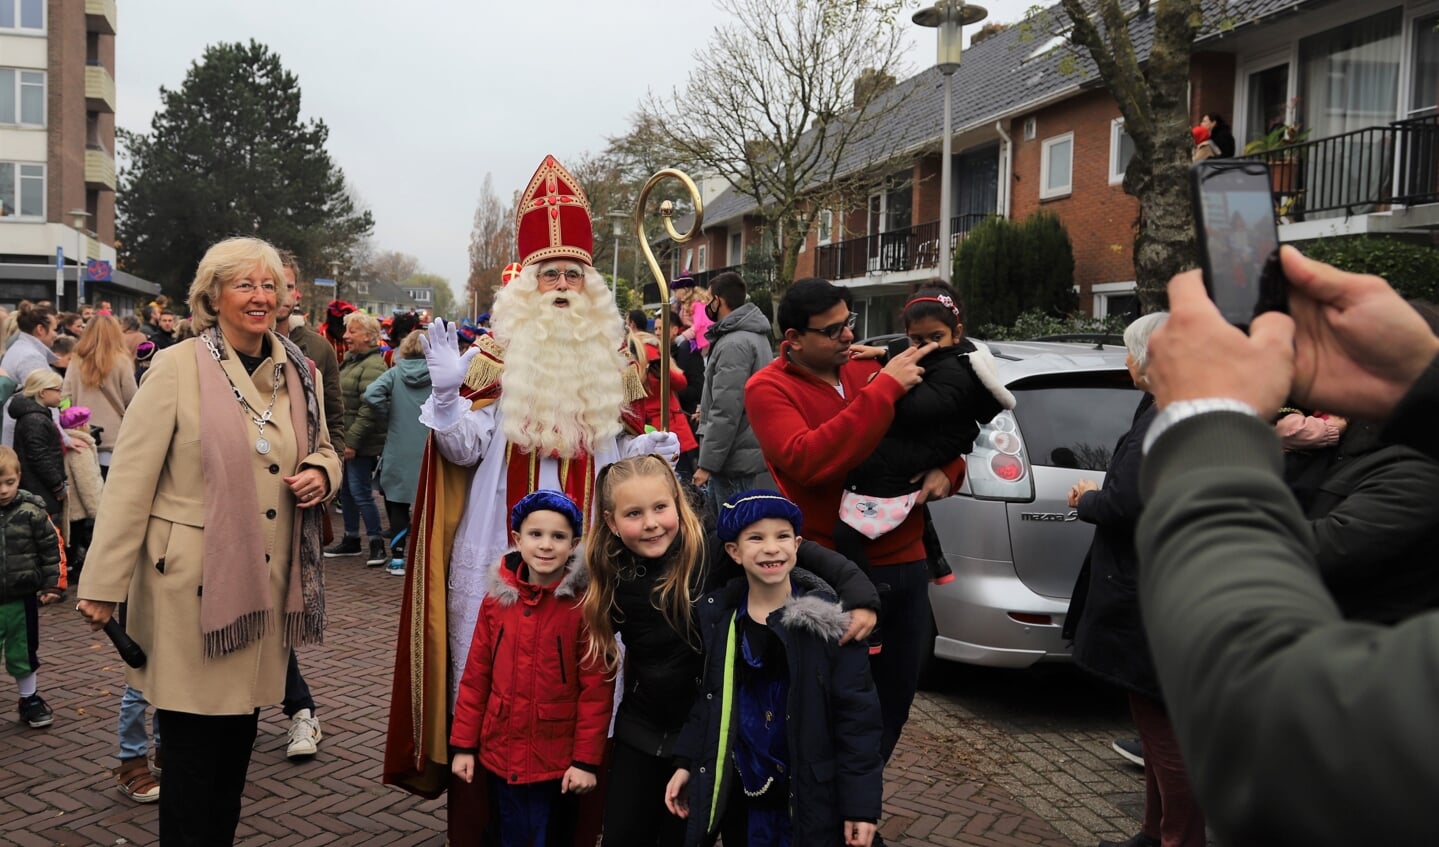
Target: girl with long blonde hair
[(650, 561)]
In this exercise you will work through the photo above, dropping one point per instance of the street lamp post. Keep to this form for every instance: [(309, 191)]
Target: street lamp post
[(948, 17), (77, 217), (619, 219)]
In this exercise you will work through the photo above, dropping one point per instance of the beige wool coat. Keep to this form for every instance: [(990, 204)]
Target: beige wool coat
[(149, 535)]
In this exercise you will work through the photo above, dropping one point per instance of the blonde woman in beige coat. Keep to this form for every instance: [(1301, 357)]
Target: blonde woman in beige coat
[(101, 377), (210, 530)]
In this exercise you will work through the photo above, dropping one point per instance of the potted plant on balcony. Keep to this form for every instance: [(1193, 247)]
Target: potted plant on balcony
[(1282, 134)]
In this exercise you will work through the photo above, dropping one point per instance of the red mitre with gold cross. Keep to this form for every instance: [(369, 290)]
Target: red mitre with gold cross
[(553, 221)]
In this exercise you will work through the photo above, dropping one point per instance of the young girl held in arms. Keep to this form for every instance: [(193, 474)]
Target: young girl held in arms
[(649, 562), (534, 702), (934, 424)]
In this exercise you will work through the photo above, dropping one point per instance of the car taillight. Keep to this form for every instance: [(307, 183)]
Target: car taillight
[(1006, 468), (998, 465)]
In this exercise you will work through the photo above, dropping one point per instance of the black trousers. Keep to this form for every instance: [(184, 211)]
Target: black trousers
[(635, 813), (206, 760), (297, 692), (398, 514)]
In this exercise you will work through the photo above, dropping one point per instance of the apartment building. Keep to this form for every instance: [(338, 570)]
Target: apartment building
[(57, 155)]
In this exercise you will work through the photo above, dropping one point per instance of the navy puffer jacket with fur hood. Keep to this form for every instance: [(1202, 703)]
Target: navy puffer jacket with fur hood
[(833, 721)]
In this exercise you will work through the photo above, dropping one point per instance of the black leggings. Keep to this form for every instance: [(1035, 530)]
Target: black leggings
[(635, 813)]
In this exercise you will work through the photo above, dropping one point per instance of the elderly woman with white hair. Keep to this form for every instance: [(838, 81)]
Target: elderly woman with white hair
[(1104, 618), (210, 531), (364, 442)]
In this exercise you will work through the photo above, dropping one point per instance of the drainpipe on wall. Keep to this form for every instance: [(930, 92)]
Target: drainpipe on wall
[(1005, 151)]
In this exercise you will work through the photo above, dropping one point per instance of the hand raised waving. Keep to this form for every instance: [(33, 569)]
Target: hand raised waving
[(442, 353)]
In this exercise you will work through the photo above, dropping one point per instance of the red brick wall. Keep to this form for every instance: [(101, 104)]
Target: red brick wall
[(1100, 217), (65, 110), (804, 263), (104, 225), (1211, 85), (926, 189)]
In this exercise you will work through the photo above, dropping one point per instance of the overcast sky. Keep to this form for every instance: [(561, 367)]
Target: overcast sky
[(425, 97)]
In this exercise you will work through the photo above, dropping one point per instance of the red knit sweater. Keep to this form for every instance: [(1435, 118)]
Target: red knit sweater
[(812, 437)]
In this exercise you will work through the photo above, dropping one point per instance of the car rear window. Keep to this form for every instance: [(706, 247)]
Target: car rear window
[(1073, 422)]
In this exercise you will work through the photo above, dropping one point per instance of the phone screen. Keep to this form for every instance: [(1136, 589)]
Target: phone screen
[(1238, 239)]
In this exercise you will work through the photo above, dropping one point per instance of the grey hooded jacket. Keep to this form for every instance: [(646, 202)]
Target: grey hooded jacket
[(739, 347)]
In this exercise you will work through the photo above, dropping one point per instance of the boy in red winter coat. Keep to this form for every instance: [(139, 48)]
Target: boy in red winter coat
[(531, 707)]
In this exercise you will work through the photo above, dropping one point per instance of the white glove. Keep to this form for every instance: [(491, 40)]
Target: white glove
[(442, 354), (666, 445)]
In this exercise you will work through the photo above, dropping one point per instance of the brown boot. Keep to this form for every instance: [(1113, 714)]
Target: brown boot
[(134, 780)]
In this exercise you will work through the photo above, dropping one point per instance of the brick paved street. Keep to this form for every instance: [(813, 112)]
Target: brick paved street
[(990, 759)]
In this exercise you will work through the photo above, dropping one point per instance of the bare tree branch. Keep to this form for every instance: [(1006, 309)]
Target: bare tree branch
[(772, 106)]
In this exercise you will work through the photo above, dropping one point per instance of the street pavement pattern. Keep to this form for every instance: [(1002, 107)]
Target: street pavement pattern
[(984, 761)]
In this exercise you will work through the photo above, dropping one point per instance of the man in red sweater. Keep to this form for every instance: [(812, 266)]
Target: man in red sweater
[(817, 415)]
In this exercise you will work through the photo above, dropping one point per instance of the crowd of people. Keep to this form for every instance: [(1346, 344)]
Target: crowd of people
[(648, 620)]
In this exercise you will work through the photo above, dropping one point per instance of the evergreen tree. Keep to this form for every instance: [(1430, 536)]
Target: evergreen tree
[(228, 154)]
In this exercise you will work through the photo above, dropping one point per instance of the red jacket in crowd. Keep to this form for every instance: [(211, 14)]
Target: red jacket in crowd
[(529, 705), (812, 436), (647, 408)]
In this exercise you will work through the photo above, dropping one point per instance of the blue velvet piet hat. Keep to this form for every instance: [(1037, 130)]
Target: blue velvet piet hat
[(548, 501), (754, 505)]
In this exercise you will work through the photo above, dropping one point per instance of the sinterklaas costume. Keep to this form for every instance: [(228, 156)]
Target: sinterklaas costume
[(469, 480)]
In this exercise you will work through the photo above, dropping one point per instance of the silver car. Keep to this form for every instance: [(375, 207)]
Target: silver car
[(1008, 532)]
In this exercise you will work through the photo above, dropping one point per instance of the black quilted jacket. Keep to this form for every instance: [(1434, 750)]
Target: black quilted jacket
[(42, 455), (29, 548)]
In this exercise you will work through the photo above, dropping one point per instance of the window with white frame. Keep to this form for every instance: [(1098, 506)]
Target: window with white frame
[(702, 258), (1056, 166), (1121, 150), (1115, 299), (22, 190), (22, 97), (825, 226), (23, 16), (736, 248)]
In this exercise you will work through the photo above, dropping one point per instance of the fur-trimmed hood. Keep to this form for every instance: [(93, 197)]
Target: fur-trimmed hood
[(815, 613), (505, 578), (982, 361), (812, 607)]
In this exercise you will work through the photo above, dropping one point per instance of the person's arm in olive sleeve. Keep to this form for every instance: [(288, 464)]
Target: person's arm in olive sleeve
[(1296, 726)]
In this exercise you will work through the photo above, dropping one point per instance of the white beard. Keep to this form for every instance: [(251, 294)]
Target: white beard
[(562, 388)]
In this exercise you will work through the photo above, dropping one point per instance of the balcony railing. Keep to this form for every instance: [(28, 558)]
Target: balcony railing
[(909, 249), (99, 89), (99, 170), (1367, 170), (100, 16)]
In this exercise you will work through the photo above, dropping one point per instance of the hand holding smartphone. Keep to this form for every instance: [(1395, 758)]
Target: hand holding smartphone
[(1238, 238)]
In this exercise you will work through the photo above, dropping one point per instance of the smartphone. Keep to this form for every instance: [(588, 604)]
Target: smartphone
[(1238, 238)]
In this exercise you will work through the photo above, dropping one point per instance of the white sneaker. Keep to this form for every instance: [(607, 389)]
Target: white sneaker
[(305, 735)]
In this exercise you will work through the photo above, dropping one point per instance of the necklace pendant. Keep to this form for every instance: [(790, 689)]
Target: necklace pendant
[(262, 445)]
